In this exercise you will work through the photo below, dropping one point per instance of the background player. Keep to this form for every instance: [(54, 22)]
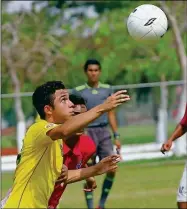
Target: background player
[(179, 131), (95, 93), (76, 152)]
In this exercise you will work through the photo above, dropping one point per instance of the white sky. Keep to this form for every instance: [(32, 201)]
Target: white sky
[(16, 6)]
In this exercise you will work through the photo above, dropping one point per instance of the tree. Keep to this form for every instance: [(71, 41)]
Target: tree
[(26, 61), (178, 27), (45, 56), (21, 127)]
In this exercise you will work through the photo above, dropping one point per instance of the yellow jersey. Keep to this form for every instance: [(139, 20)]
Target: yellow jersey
[(37, 119), (39, 167)]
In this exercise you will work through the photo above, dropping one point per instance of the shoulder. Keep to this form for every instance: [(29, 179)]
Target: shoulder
[(80, 88), (106, 88), (104, 85), (86, 143), (38, 133), (40, 123), (41, 126), (36, 127), (87, 147)]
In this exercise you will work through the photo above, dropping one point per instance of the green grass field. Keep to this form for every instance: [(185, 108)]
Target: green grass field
[(139, 134), (143, 184), (145, 133)]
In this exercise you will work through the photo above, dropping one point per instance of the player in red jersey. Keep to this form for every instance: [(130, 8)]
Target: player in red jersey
[(179, 131), (77, 152)]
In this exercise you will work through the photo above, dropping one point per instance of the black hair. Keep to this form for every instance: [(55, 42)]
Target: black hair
[(43, 95), (76, 100), (91, 62)]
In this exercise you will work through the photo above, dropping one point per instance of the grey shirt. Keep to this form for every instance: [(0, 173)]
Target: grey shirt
[(94, 97)]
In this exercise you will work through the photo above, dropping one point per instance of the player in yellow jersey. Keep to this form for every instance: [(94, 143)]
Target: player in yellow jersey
[(41, 156)]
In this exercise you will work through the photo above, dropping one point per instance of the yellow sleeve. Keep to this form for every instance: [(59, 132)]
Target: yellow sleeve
[(39, 131)]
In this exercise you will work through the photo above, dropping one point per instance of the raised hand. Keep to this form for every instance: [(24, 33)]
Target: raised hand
[(115, 100), (107, 164)]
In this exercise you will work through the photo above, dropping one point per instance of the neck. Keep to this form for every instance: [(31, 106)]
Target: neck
[(93, 84), (51, 120), (71, 141)]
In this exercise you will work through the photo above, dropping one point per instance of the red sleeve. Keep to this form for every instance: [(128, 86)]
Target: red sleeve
[(184, 119), (56, 195), (87, 147)]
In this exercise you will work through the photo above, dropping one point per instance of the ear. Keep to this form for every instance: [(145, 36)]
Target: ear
[(48, 110)]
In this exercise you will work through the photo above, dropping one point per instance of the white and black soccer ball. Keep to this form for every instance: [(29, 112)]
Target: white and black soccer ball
[(147, 22)]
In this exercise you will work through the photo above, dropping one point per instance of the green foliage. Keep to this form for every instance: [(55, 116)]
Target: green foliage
[(123, 59)]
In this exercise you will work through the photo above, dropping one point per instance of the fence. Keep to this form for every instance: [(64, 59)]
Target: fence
[(144, 122)]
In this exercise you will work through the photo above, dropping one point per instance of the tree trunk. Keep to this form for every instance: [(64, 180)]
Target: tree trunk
[(21, 124)]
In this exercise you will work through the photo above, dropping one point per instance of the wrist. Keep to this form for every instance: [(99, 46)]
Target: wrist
[(94, 169), (101, 108), (171, 139), (116, 136)]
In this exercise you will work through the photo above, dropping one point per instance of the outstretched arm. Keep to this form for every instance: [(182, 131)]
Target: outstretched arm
[(107, 164), (178, 132), (80, 121)]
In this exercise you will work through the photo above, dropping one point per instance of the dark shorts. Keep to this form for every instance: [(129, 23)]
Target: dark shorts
[(103, 141)]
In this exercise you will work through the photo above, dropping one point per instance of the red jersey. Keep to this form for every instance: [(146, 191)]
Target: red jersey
[(74, 159), (184, 119)]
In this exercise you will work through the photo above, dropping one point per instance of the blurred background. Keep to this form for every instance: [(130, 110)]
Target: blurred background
[(51, 40)]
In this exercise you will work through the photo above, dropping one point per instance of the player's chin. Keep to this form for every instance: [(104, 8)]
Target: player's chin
[(70, 115), (79, 133), (94, 79)]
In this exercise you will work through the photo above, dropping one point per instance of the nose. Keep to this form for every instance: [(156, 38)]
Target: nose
[(94, 73), (70, 104)]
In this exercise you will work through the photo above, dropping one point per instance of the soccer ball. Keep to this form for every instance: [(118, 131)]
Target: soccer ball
[(147, 22)]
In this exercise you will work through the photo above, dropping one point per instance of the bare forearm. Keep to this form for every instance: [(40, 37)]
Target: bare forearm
[(76, 123), (80, 174), (179, 131), (89, 178), (112, 121), (105, 165)]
